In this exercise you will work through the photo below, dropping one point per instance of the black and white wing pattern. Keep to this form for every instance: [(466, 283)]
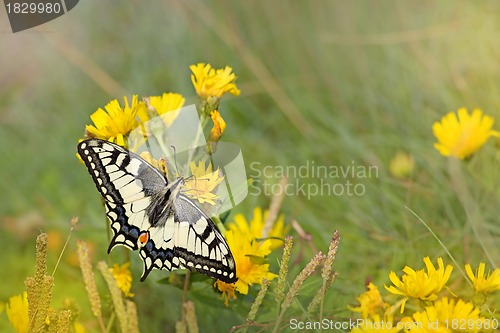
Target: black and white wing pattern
[(150, 214)]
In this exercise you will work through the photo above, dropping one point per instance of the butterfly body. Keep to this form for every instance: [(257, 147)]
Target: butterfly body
[(162, 205), (150, 214)]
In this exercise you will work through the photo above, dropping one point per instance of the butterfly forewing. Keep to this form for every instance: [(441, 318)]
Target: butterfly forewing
[(119, 175), (140, 201)]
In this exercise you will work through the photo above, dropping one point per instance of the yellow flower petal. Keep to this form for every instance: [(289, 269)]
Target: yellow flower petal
[(447, 315), (210, 82), (123, 278), (203, 185), (249, 252), (371, 303), (484, 283), (401, 165), (227, 290), (420, 284), (115, 123), (219, 126), (79, 328), (256, 227), (461, 137), (167, 106), (17, 312)]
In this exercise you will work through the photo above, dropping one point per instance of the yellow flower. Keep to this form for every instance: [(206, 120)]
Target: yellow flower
[(463, 136), (371, 303), (219, 126), (256, 227), (164, 105), (210, 82), (203, 184), (419, 284), (484, 283), (401, 165), (447, 316), (377, 325), (166, 102), (449, 312), (201, 187), (17, 312), (116, 122), (249, 254), (123, 277), (227, 291), (79, 328), (424, 322)]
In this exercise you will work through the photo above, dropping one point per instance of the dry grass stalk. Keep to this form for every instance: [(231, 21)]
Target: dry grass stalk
[(116, 295)]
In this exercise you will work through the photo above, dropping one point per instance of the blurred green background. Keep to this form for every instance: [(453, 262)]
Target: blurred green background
[(334, 82)]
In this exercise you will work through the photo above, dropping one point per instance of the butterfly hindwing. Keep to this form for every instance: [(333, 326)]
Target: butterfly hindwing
[(142, 205), (125, 223), (191, 240), (199, 243)]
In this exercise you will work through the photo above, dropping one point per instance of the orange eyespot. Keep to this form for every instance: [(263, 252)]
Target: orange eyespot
[(143, 238)]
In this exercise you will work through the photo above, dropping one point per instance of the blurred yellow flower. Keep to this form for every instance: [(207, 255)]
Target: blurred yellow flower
[(116, 122), (17, 312), (79, 328), (55, 240), (461, 137), (371, 303), (402, 165), (123, 277), (249, 254), (210, 82), (203, 184), (484, 283), (256, 227), (419, 284), (164, 105), (219, 126)]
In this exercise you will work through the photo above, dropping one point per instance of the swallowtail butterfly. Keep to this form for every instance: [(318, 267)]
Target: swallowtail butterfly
[(150, 214)]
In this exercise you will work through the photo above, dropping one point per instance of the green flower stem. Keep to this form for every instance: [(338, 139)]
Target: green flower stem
[(472, 209), (203, 123)]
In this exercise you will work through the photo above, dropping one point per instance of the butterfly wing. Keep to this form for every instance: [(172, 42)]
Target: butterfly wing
[(188, 239), (199, 244), (128, 183)]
